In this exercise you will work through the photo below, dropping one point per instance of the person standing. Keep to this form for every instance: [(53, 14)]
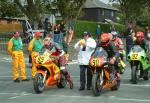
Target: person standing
[(57, 34), (35, 46), (46, 29), (16, 51), (98, 31), (63, 30), (85, 48)]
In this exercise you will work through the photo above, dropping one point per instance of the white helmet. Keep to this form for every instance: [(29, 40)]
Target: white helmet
[(114, 34)]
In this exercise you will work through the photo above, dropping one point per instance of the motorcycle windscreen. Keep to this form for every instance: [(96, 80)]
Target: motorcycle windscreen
[(136, 48), (98, 57), (136, 52)]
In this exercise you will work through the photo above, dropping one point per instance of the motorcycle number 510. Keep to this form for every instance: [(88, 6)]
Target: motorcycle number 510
[(135, 56)]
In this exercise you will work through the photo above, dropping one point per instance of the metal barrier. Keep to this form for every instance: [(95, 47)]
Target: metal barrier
[(3, 44)]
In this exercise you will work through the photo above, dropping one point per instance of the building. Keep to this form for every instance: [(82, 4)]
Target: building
[(95, 10)]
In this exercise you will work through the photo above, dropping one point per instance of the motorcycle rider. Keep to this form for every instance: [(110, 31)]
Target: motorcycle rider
[(119, 46), (139, 40), (106, 43), (59, 56), (34, 48)]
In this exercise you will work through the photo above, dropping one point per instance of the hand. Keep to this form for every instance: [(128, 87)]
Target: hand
[(82, 42)]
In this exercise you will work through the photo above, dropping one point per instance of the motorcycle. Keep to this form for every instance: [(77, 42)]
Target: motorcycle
[(103, 78), (139, 64), (48, 73)]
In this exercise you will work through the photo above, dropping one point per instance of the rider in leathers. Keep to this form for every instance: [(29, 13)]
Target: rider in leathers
[(58, 54), (106, 43)]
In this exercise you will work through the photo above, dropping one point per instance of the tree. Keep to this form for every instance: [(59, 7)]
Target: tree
[(9, 9), (69, 8), (131, 8)]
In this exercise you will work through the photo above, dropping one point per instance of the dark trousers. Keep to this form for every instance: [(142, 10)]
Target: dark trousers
[(83, 69)]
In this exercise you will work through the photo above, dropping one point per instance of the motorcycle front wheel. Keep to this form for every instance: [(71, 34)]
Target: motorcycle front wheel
[(38, 83), (96, 84), (134, 74)]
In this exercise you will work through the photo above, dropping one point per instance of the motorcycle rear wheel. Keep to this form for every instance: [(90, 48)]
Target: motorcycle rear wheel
[(96, 85), (38, 83), (147, 75), (62, 82)]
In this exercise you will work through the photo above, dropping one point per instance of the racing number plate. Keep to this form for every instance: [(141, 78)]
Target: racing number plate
[(96, 62), (134, 56), (40, 59)]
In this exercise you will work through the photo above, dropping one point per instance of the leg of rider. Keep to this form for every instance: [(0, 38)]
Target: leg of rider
[(63, 67), (89, 77)]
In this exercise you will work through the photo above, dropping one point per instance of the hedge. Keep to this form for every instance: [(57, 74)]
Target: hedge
[(81, 26)]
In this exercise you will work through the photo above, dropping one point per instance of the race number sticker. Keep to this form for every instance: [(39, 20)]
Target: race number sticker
[(96, 62), (134, 56), (40, 59)]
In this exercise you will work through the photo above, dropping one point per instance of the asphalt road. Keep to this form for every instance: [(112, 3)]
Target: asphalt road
[(23, 92)]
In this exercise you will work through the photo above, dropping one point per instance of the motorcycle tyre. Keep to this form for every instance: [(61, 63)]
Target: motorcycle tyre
[(39, 88), (63, 82), (134, 75), (95, 83)]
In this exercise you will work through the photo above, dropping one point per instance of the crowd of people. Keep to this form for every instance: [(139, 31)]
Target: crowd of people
[(109, 41)]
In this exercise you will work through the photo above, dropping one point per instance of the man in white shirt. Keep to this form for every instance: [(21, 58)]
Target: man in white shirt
[(85, 48)]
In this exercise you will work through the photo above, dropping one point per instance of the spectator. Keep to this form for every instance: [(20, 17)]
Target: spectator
[(57, 37), (98, 31), (46, 30), (85, 48), (69, 36), (63, 30), (146, 32)]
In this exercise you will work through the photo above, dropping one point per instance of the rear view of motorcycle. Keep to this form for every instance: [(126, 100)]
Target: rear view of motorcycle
[(103, 77), (139, 64), (48, 74)]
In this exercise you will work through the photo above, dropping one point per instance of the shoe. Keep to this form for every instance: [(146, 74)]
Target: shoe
[(17, 80), (81, 88), (25, 79)]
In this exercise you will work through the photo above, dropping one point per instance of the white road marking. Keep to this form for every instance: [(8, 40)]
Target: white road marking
[(20, 95)]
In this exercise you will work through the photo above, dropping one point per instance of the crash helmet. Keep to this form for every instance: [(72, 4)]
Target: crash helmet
[(105, 39), (139, 36), (114, 35)]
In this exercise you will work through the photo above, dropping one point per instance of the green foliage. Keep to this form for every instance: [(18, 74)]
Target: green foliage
[(81, 26), (68, 8), (9, 9)]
